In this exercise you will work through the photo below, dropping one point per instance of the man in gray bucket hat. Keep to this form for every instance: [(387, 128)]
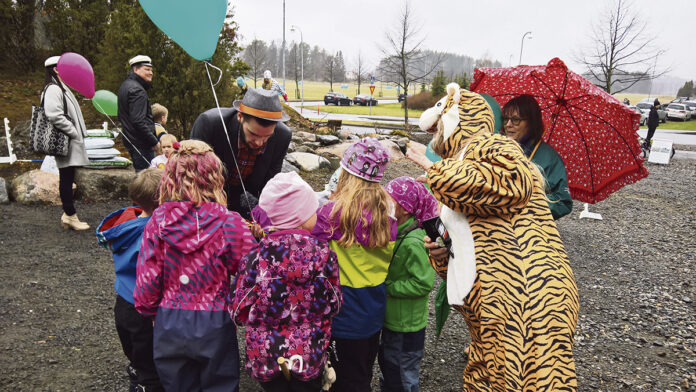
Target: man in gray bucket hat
[(258, 140)]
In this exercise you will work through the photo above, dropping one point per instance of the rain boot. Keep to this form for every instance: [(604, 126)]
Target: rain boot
[(72, 222)]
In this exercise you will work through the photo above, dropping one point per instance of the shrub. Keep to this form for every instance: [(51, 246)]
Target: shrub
[(422, 101)]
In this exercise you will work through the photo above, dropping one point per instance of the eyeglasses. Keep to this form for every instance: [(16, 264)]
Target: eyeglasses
[(515, 120)]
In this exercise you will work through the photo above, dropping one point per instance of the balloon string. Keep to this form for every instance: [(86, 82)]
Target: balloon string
[(224, 126), (120, 132)]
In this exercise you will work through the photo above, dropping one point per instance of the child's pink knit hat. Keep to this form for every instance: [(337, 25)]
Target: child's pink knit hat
[(288, 200)]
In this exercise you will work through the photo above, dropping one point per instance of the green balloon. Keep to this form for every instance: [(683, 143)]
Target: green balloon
[(105, 102), (497, 113)]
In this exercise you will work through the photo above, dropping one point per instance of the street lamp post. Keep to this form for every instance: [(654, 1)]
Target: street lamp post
[(522, 44), (293, 28)]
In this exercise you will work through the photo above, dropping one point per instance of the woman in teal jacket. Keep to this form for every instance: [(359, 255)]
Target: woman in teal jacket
[(522, 123), (409, 282)]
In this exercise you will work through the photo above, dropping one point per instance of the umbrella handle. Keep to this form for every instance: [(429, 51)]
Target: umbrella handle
[(284, 367)]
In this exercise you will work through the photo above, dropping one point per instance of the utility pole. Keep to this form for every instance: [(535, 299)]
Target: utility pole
[(282, 51)]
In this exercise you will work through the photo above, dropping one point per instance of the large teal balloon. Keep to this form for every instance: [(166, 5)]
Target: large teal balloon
[(497, 114), (105, 102), (194, 25)]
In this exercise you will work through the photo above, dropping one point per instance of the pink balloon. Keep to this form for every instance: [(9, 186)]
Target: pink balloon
[(76, 72)]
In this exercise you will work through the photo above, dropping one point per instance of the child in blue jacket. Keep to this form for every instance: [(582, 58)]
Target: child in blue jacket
[(121, 232)]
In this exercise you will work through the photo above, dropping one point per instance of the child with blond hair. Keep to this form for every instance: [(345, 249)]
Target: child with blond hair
[(167, 143), (191, 248), (357, 225)]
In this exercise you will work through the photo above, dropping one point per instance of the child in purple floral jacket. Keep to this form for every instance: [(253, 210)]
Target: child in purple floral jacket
[(287, 291)]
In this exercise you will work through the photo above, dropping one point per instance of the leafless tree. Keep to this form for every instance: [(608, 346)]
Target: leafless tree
[(403, 58), (360, 71), (330, 69), (255, 55), (623, 53)]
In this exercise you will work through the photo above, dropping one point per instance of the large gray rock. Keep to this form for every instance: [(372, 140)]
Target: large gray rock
[(103, 185), (36, 187), (4, 197), (394, 150), (327, 140), (305, 136), (288, 167), (307, 162)]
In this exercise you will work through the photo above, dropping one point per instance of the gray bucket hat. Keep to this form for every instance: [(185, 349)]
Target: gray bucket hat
[(262, 104)]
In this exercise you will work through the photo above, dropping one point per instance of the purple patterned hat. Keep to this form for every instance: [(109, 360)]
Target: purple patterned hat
[(366, 159), (413, 197)]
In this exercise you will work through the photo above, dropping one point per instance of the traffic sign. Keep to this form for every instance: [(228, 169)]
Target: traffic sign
[(372, 89), (372, 80)]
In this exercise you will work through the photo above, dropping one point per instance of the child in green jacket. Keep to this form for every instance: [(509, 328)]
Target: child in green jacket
[(409, 282)]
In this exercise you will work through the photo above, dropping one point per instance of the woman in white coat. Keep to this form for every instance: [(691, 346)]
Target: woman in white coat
[(55, 97)]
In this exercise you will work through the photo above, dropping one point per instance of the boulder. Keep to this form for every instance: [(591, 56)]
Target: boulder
[(36, 187), (338, 149), (4, 197), (288, 167), (307, 162), (305, 136), (394, 150), (344, 133), (103, 185), (327, 140), (303, 149)]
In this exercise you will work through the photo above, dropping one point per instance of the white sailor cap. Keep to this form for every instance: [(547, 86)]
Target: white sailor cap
[(140, 59), (51, 61)]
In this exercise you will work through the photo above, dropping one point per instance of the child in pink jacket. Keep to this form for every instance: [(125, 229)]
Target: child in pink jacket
[(288, 291), (190, 248)]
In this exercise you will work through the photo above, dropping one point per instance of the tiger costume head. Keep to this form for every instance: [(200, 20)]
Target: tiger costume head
[(455, 119)]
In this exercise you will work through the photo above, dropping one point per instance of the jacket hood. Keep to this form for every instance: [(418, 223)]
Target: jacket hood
[(118, 237), (187, 228), (133, 76)]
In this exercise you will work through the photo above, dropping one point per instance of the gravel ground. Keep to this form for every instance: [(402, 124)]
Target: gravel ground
[(635, 272)]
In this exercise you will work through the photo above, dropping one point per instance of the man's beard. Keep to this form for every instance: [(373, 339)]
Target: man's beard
[(246, 144)]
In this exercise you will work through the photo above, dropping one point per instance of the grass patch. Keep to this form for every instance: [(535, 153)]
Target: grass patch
[(635, 98), (387, 109), (676, 125), (370, 124)]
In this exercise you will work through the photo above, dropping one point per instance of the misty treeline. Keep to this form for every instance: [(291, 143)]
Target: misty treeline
[(339, 67)]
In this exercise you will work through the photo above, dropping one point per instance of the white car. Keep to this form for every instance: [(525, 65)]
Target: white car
[(678, 110), (645, 108), (692, 107), (643, 116)]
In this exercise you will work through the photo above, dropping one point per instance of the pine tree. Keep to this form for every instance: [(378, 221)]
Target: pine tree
[(180, 82), (438, 84), (76, 26), (687, 90)]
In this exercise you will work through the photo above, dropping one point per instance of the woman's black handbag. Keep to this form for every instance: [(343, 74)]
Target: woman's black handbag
[(44, 137)]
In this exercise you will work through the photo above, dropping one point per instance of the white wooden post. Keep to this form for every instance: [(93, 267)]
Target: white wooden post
[(10, 158)]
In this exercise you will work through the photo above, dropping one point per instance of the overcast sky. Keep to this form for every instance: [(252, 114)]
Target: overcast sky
[(490, 28)]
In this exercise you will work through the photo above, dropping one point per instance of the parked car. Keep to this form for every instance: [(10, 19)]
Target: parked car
[(364, 99), (401, 97), (692, 107), (678, 110), (645, 108), (643, 116), (337, 99)]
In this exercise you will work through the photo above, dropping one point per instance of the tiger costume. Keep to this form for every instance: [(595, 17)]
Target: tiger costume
[(521, 303)]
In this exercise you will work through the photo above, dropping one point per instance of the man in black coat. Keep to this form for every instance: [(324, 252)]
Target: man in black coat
[(254, 146), (653, 121), (135, 113)]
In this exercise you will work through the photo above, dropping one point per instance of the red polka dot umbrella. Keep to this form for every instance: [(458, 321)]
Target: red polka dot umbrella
[(594, 132)]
